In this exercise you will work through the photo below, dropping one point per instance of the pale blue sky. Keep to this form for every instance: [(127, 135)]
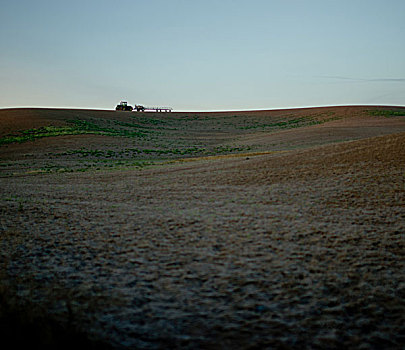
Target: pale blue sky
[(202, 55)]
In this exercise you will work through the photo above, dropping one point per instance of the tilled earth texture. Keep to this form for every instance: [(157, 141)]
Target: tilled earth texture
[(264, 229)]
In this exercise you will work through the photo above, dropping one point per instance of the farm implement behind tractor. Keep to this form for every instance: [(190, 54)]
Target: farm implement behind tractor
[(123, 106)]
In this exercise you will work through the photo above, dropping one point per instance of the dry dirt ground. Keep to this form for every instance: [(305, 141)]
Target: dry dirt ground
[(267, 229)]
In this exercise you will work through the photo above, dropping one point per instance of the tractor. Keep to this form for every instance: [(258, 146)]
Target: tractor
[(124, 106)]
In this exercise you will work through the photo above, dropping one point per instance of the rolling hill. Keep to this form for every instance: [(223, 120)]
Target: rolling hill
[(253, 229)]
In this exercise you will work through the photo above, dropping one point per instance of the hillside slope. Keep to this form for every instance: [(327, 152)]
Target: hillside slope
[(52, 140), (271, 229)]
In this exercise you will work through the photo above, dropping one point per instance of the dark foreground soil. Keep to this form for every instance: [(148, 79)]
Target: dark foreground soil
[(286, 248)]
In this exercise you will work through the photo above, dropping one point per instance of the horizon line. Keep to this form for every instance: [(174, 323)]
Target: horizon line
[(211, 110)]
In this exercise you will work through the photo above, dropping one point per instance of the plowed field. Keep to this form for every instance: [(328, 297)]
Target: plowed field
[(238, 230)]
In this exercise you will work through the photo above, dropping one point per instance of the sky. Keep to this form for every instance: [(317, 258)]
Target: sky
[(206, 55)]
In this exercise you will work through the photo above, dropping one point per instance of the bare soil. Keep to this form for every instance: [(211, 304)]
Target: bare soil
[(285, 229)]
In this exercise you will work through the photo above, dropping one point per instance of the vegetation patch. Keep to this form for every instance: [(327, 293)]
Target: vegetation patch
[(134, 152), (290, 123), (78, 127), (92, 127), (45, 131), (387, 113)]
